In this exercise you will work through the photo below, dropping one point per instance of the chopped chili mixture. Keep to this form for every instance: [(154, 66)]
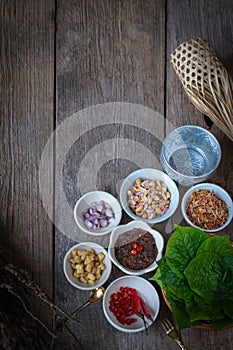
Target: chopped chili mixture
[(206, 210)]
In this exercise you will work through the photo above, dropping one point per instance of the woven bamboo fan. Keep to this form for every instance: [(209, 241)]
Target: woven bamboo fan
[(206, 82)]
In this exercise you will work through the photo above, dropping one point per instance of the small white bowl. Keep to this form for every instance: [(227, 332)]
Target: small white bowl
[(68, 269), (219, 192), (152, 174), (85, 202), (123, 229), (147, 292)]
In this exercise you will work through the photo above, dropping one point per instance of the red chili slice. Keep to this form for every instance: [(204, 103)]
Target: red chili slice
[(144, 309), (133, 252), (129, 321), (135, 302), (134, 245), (127, 302)]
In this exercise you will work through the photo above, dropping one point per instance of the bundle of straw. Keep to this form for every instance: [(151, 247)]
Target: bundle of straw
[(206, 82)]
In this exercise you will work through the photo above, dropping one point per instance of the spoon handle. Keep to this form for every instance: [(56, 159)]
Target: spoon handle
[(60, 325), (74, 314)]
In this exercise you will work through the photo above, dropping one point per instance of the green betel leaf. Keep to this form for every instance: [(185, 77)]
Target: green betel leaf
[(182, 247), (225, 290), (204, 274), (201, 310), (220, 245), (170, 283), (220, 324), (179, 311), (196, 275)]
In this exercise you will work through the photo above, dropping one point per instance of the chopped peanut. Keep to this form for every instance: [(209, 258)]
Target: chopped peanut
[(87, 265)]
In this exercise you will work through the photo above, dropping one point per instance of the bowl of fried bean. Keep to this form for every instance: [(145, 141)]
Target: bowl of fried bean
[(207, 206), (87, 265), (149, 195)]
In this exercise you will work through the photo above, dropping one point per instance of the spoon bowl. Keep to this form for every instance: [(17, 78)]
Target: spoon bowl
[(96, 295)]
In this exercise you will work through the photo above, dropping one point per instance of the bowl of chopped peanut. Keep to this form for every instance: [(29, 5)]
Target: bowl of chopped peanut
[(208, 207), (87, 265), (149, 195)]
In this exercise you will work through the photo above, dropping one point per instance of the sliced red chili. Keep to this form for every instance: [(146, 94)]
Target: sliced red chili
[(135, 302), (145, 309), (133, 252), (139, 248), (127, 302), (129, 321), (134, 245)]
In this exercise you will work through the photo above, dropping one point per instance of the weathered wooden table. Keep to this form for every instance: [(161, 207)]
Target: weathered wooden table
[(87, 96)]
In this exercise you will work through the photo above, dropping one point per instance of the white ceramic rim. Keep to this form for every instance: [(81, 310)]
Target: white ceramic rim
[(136, 224), (109, 228), (127, 328), (187, 177), (162, 177), (207, 186), (106, 273)]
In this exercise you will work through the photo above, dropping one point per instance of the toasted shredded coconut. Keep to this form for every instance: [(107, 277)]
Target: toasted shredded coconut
[(206, 210)]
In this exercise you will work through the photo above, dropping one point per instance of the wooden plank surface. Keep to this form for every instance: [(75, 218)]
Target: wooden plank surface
[(27, 95), (115, 69), (213, 23), (208, 20), (107, 51), (116, 96)]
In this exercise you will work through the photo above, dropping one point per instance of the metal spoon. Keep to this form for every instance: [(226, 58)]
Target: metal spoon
[(96, 295)]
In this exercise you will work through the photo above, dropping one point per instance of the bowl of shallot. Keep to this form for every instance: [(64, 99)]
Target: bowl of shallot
[(97, 213)]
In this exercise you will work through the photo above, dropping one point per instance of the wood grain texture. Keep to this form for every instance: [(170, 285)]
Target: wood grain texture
[(189, 20), (107, 51), (27, 95), (186, 20), (113, 55)]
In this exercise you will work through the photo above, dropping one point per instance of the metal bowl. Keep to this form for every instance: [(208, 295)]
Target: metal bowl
[(190, 155)]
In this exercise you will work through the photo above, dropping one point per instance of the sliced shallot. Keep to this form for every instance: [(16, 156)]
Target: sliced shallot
[(98, 215)]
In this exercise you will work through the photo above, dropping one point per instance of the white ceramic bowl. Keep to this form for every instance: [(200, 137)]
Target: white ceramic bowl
[(147, 293), (219, 192), (75, 281), (124, 228), (152, 174), (85, 202)]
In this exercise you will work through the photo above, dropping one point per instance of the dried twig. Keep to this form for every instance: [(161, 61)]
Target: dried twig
[(11, 291), (15, 330)]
